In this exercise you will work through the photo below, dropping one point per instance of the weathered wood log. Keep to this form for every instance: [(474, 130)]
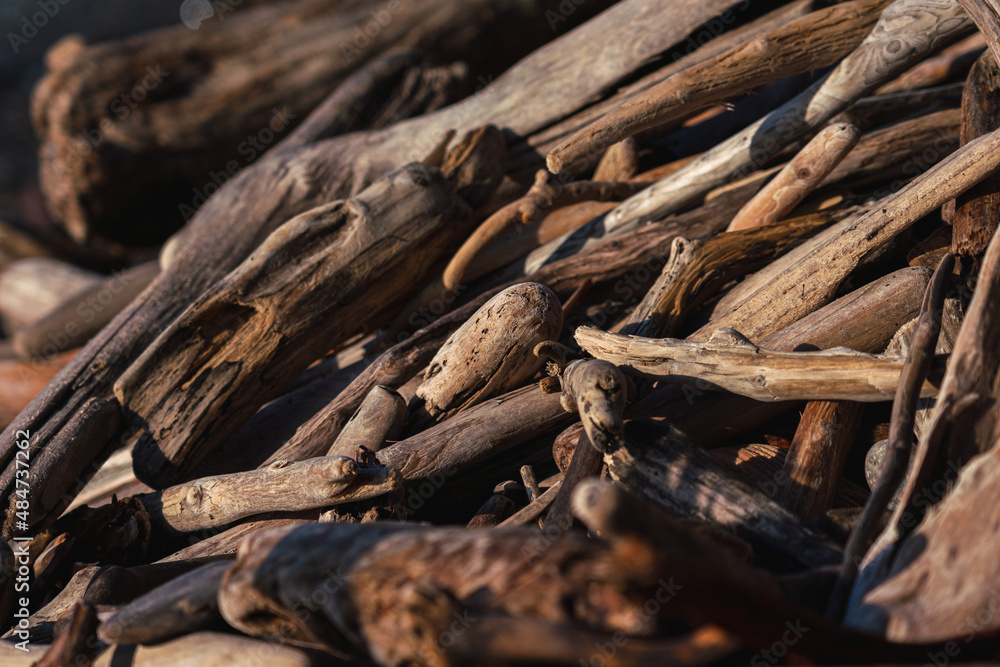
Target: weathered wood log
[(817, 456), (471, 435), (379, 419), (948, 65), (798, 178), (811, 42), (185, 604), (907, 31), (731, 362), (518, 569), (896, 153), (976, 216), (491, 353), (358, 252), (77, 319), (213, 502)]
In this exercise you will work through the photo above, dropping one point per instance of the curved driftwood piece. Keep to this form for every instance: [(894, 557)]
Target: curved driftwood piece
[(730, 362), (492, 352), (864, 320), (907, 32), (799, 177), (811, 42), (217, 501), (205, 374), (596, 391), (185, 604), (380, 418)]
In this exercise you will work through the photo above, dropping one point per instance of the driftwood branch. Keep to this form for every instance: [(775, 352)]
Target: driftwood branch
[(799, 177), (731, 362), (281, 487)]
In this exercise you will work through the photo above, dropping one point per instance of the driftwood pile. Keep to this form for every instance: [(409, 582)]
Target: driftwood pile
[(444, 332)]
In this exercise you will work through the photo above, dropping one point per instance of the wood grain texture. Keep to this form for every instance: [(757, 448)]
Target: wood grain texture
[(258, 327), (492, 352), (470, 436)]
